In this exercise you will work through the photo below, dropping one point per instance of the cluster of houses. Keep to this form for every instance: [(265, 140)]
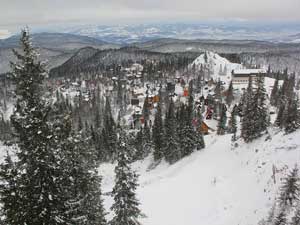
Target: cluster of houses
[(137, 91)]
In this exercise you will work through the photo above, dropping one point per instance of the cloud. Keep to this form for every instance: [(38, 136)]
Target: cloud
[(32, 12)]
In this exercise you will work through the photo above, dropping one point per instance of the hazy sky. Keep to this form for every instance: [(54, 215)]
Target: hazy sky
[(18, 13)]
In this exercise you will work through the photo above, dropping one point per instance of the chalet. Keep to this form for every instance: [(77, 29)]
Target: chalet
[(204, 128), (242, 76)]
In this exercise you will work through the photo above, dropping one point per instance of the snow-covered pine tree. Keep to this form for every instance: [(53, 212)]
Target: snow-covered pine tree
[(290, 188), (189, 139), (138, 142), (218, 91), (262, 121), (232, 125), (281, 115), (241, 105), (296, 217), (255, 116), (146, 111), (126, 204), (9, 192), (229, 97), (280, 219), (142, 142), (205, 57), (109, 135), (275, 93), (222, 121), (97, 120), (80, 181), (147, 140), (292, 117), (247, 131), (171, 149), (271, 215), (38, 197), (158, 135)]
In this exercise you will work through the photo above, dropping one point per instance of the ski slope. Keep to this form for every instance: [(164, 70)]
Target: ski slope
[(215, 63), (219, 185)]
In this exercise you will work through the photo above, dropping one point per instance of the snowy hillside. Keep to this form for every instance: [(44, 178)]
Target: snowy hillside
[(219, 185), (218, 66), (216, 62)]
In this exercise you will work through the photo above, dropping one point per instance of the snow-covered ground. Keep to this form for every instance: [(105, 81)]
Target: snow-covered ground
[(219, 185)]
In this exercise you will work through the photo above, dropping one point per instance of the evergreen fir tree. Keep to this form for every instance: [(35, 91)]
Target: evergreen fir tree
[(262, 121), (280, 219), (275, 93), (247, 131), (147, 140), (9, 192), (80, 181), (290, 188), (229, 97), (233, 123), (222, 121), (109, 135), (158, 135), (38, 197), (146, 111), (205, 57), (139, 143), (126, 205), (171, 150), (218, 91), (292, 117), (296, 218), (281, 115), (255, 117), (97, 118), (189, 139)]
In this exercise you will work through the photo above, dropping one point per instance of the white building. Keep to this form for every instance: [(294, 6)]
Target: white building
[(241, 76)]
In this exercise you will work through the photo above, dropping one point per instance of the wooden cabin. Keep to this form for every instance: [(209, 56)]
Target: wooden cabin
[(204, 128)]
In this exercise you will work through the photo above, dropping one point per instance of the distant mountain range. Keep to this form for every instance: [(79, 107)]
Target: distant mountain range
[(56, 48), (221, 46), (58, 41), (233, 30)]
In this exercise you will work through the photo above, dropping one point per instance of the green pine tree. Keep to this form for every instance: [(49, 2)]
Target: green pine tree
[(158, 135), (126, 204), (38, 197)]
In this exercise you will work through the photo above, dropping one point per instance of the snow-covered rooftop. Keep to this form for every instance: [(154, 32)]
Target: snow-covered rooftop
[(249, 71)]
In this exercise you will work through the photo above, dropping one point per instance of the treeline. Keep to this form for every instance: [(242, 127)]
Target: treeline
[(254, 110), (109, 62)]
